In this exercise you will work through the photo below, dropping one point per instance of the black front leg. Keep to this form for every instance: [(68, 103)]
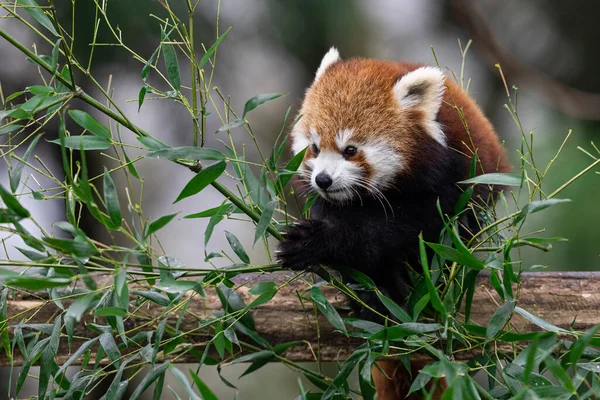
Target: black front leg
[(307, 244)]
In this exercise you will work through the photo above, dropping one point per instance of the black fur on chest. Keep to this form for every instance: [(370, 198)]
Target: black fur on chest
[(378, 237)]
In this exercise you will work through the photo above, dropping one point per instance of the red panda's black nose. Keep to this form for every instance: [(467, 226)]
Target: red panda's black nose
[(323, 180)]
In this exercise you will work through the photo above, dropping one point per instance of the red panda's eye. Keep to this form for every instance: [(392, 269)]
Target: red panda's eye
[(350, 151), (315, 149)]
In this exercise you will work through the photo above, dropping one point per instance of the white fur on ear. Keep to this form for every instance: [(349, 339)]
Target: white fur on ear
[(423, 89), (331, 57)]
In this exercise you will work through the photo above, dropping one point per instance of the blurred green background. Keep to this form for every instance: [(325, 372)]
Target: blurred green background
[(547, 48)]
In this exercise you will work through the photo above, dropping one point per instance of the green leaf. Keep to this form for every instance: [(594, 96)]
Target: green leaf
[(149, 378), (212, 49), (263, 298), (77, 354), (214, 211), (150, 61), (499, 319), (152, 143), (110, 312), (187, 153), (78, 247), (394, 308), (265, 220), (180, 376), (32, 283), (496, 178), (358, 277), (214, 220), (420, 381), (85, 142), (38, 14), (536, 206), (159, 224), (40, 89), (141, 97), (289, 170), (4, 325), (467, 259), (539, 322), (110, 347), (55, 53), (15, 174), (111, 198), (436, 302), (12, 203), (262, 287), (154, 297), (404, 330), (202, 179), (327, 309), (6, 129), (258, 100), (204, 390), (577, 349), (237, 247), (232, 302), (171, 61), (590, 366), (87, 122), (231, 125)]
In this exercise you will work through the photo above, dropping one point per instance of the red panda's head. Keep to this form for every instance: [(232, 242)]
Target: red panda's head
[(363, 121)]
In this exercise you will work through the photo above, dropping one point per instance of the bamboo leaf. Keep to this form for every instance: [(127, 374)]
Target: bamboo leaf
[(15, 174), (187, 153), (212, 49), (237, 247), (202, 179), (153, 375), (171, 61), (88, 122), (159, 224), (85, 142), (258, 100), (204, 390), (496, 178), (111, 198), (38, 14), (499, 319), (12, 203), (265, 220), (327, 309)]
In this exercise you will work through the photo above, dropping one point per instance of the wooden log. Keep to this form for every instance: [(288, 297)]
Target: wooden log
[(564, 299)]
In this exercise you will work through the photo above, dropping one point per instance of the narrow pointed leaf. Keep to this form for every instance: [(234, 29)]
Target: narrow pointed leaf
[(38, 14), (202, 179), (265, 220), (15, 175), (111, 198), (212, 49), (171, 61)]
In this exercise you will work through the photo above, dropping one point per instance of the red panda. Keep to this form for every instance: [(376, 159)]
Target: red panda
[(384, 143)]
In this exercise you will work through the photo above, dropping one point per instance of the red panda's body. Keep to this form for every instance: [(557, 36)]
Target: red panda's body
[(385, 141)]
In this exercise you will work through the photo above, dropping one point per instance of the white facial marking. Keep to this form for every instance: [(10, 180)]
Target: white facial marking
[(385, 163), (423, 89), (316, 139), (331, 57), (343, 173), (342, 138)]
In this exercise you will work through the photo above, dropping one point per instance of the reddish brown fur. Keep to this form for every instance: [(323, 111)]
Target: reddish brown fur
[(357, 94)]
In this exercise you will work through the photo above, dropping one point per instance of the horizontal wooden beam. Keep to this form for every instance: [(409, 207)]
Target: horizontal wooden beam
[(563, 299)]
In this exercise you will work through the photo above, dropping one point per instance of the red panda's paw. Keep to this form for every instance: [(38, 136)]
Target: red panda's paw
[(299, 249)]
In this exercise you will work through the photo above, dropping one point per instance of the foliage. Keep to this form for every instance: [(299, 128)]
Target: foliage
[(106, 284)]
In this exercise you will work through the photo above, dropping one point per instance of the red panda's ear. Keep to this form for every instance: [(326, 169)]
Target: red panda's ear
[(331, 57), (423, 89)]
